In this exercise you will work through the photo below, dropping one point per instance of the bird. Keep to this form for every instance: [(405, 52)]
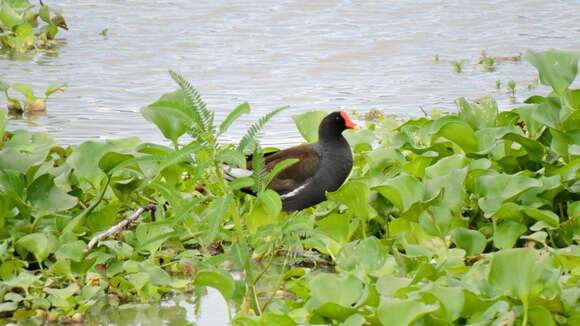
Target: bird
[(322, 166)]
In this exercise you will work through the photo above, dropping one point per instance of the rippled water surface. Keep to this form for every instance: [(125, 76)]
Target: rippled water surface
[(308, 55)]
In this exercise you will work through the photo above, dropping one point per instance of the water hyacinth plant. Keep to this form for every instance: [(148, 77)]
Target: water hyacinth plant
[(30, 103), (23, 26), (462, 219)]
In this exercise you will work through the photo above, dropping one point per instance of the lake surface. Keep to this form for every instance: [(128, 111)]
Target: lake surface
[(313, 55)]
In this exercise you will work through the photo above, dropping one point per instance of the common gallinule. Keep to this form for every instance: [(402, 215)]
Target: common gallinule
[(323, 166)]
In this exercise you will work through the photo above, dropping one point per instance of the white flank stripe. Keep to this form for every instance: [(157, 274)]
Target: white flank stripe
[(295, 191)]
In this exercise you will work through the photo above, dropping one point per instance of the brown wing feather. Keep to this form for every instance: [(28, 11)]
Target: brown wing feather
[(295, 175)]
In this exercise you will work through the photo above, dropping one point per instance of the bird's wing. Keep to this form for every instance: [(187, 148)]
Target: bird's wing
[(295, 175)]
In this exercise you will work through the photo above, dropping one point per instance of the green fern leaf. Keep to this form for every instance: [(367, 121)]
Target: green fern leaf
[(178, 156), (258, 170), (250, 136), (201, 115)]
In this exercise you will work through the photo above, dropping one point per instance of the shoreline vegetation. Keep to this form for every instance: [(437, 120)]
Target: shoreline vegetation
[(468, 218)]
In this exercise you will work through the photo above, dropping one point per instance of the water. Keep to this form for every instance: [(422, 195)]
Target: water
[(324, 55)]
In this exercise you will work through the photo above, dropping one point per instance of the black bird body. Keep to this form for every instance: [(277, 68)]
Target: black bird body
[(322, 166)]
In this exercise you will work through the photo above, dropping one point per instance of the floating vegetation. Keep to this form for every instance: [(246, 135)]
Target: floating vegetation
[(23, 26), (458, 65), (31, 103), (469, 218)]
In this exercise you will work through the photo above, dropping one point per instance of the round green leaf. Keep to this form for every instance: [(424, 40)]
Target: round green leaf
[(222, 281), (35, 243), (307, 124), (471, 240), (507, 233), (47, 198), (403, 312), (556, 68)]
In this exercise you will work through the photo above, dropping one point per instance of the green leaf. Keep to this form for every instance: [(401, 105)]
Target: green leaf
[(493, 190), (271, 201), (402, 191), (239, 254), (221, 281), (249, 137), (542, 215), (507, 233), (476, 116), (572, 121), (355, 195), (54, 87), (541, 316), (73, 250), (367, 255), (336, 226), (388, 285), (243, 108), (25, 35), (59, 21), (3, 121), (240, 183), (170, 114), (457, 131), (85, 160), (573, 98), (111, 160), (514, 271), (232, 157), (151, 236), (500, 308), (157, 275), (44, 14), (138, 280), (343, 290), (403, 312), (471, 240), (269, 318), (279, 167), (8, 306), (26, 91), (65, 293), (35, 243), (556, 68), (9, 16), (47, 198), (215, 217), (308, 123), (450, 298)]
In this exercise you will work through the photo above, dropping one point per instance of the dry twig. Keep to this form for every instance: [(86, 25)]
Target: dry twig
[(120, 226)]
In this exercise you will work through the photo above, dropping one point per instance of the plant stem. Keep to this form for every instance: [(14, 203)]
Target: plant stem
[(72, 225), (265, 267), (525, 303), (279, 280)]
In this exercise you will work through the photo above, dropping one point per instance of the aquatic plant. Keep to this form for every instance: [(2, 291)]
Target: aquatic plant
[(31, 102), (512, 87), (468, 218), (24, 27), (458, 65), (487, 63)]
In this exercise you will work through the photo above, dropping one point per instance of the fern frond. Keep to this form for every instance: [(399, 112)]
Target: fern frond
[(258, 170), (254, 129), (202, 116), (178, 156)]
